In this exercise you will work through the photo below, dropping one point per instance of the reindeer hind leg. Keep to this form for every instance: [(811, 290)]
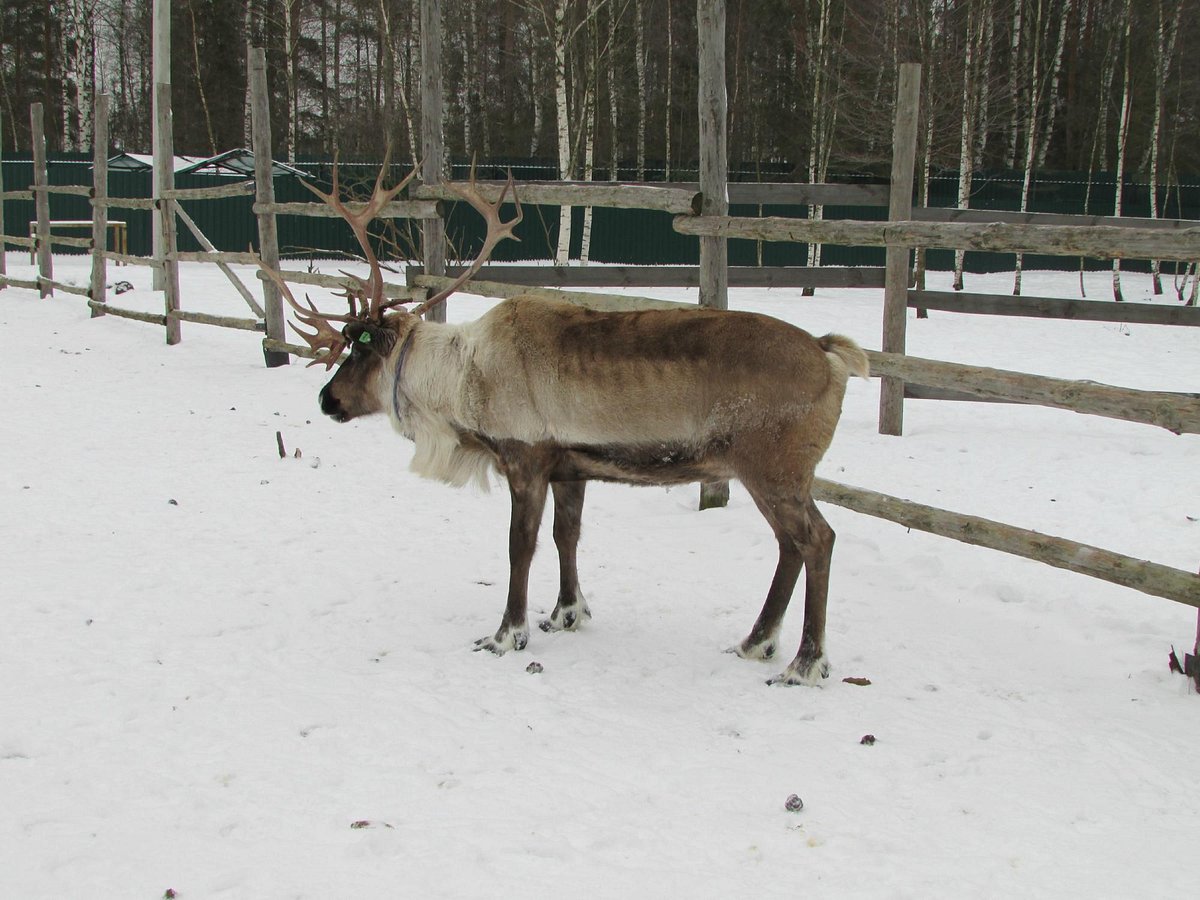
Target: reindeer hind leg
[(776, 507), (816, 546), (571, 610)]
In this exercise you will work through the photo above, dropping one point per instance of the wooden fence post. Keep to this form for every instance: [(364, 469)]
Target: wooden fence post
[(264, 188), (162, 149), (3, 245), (41, 201), (166, 272), (99, 203), (895, 290), (433, 231), (164, 181), (714, 258)]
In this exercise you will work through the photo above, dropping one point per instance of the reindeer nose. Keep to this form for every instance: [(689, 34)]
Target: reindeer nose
[(331, 406)]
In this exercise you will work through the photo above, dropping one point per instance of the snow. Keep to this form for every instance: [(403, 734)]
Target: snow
[(215, 663)]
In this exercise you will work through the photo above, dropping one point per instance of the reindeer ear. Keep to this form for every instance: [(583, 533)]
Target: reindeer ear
[(366, 337)]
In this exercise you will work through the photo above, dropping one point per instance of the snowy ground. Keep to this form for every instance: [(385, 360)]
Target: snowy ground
[(215, 664)]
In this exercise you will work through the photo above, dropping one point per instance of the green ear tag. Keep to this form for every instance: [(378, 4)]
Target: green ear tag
[(365, 337)]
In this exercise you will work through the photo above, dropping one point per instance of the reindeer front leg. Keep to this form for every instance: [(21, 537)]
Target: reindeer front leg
[(527, 485)]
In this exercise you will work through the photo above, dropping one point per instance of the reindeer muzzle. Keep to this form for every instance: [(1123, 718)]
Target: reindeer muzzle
[(331, 406)]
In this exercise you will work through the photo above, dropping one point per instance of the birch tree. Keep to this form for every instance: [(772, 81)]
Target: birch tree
[(589, 129), (1016, 66), (976, 69), (1166, 29), (1122, 138), (820, 48), (77, 19), (566, 169), (933, 36), (613, 95), (639, 61), (1031, 117), (669, 95), (1054, 80), (291, 32)]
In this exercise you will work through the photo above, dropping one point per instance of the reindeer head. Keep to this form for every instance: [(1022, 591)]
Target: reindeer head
[(375, 330)]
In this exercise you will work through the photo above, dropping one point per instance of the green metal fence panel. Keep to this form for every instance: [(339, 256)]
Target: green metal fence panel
[(619, 236)]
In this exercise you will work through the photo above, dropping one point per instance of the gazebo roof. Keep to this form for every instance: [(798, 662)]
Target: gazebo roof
[(239, 163)]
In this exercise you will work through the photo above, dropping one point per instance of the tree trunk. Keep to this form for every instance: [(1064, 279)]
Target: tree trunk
[(336, 141), (78, 51), (208, 126), (1164, 47), (640, 64), (670, 95), (966, 146), (1052, 99), (591, 78), (982, 122), (1031, 122), (823, 75), (291, 13), (387, 71), (566, 170), (614, 143), (539, 106), (1122, 135), (1015, 66), (1108, 70)]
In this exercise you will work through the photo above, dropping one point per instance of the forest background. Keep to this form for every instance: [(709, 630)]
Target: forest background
[(1025, 85)]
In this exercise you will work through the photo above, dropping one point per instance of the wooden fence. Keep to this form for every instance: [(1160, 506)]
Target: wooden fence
[(694, 215), (96, 293)]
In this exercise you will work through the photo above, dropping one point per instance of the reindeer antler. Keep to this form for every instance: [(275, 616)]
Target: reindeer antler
[(496, 231), (370, 293), (371, 303), (367, 302), (325, 337)]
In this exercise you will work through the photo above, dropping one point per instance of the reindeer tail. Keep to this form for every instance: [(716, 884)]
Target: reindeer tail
[(851, 355)]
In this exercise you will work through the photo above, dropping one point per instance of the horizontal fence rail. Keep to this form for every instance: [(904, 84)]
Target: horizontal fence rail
[(1097, 242), (136, 315), (1055, 308), (582, 298), (318, 279), (200, 318), (63, 241), (126, 202), (127, 259), (793, 193), (1177, 413), (1147, 577), (675, 276), (953, 214), (397, 209), (77, 190), (241, 189), (19, 282), (581, 193)]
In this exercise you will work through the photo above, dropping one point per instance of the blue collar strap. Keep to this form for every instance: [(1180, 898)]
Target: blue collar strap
[(397, 394)]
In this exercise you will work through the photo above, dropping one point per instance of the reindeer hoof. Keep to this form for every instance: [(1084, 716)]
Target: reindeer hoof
[(808, 672), (504, 640), (746, 650), (566, 618)]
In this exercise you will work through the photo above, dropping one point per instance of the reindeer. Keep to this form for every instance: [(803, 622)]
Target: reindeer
[(551, 395)]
